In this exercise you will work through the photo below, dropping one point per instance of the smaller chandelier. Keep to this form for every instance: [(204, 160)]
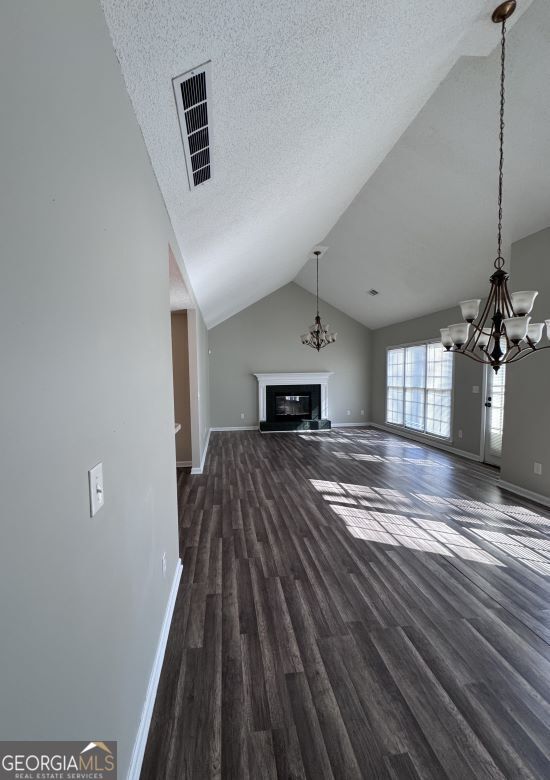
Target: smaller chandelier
[(504, 332), (318, 335)]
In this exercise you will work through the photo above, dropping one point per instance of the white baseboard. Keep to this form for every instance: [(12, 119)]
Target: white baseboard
[(147, 711), (198, 469), (538, 498), (181, 464), (427, 441), (236, 428), (351, 425)]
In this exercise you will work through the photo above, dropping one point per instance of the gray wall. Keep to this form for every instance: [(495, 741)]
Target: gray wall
[(467, 406), (527, 409), (198, 385), (180, 364), (266, 337), (204, 381), (86, 376)]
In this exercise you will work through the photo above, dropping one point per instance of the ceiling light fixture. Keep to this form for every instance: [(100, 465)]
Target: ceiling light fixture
[(504, 332), (318, 335)]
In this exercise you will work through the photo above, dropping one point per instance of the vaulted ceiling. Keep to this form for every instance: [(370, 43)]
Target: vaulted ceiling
[(422, 231), (312, 142)]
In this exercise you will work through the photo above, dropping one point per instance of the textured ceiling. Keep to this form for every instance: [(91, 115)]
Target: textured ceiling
[(307, 99), (423, 229)]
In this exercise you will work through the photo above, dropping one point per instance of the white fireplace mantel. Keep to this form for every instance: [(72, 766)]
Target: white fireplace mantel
[(307, 378)]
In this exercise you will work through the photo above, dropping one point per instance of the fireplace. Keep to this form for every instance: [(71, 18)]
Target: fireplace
[(293, 402)]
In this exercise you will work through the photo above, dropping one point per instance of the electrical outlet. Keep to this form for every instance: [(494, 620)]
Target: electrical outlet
[(348, 412), (538, 469), (164, 564), (362, 412), (460, 434), (242, 415)]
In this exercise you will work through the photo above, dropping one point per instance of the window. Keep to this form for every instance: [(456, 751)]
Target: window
[(419, 388)]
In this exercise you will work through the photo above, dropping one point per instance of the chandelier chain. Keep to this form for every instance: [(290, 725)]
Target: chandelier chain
[(317, 258), (499, 262)]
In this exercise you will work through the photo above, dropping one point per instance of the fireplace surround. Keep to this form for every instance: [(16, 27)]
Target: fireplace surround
[(293, 401)]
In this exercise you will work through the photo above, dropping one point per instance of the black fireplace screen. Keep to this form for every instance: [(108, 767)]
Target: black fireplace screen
[(293, 405)]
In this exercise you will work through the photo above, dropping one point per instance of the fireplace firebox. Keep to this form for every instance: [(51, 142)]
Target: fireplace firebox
[(293, 407)]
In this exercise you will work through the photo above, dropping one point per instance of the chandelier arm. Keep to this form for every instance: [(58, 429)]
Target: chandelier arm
[(478, 328), (473, 356), (523, 353), (508, 300), (484, 315)]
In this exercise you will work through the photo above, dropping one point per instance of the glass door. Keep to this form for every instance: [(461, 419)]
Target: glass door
[(495, 385)]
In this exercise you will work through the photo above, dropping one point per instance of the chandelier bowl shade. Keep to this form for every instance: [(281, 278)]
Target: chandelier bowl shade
[(470, 309), (535, 332), (446, 339), (523, 302), (516, 328), (459, 333), (484, 338)]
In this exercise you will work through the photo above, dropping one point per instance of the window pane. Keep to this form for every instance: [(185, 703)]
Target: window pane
[(438, 412), (394, 411), (396, 365), (414, 409), (394, 386), (440, 368), (415, 366)]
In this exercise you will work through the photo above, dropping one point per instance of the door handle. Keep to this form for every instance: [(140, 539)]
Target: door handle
[(488, 404)]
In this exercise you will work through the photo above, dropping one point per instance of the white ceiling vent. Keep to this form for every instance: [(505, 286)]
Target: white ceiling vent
[(192, 90)]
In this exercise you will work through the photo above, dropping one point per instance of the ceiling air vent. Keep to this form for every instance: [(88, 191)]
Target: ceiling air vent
[(191, 91)]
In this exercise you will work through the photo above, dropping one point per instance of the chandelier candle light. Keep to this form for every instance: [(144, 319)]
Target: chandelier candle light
[(318, 335), (504, 332)]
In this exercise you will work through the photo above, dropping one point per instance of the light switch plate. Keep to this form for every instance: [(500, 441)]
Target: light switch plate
[(537, 469), (475, 389), (95, 481)]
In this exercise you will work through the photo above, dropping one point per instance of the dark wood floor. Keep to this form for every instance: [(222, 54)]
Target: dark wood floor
[(354, 605)]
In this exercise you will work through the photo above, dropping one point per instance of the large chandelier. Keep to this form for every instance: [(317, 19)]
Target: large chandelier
[(504, 332), (318, 335)]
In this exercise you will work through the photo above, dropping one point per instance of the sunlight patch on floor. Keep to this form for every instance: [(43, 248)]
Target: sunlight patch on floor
[(392, 517)]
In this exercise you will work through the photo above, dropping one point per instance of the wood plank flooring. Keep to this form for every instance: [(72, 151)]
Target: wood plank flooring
[(354, 605)]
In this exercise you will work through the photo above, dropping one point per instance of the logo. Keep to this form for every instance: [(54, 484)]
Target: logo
[(58, 760)]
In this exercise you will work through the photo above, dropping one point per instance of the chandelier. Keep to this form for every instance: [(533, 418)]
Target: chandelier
[(504, 332), (318, 335)]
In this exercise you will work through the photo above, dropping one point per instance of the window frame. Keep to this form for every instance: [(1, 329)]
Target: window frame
[(425, 389)]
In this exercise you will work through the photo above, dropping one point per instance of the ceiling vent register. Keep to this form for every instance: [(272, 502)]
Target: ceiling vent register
[(191, 91)]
